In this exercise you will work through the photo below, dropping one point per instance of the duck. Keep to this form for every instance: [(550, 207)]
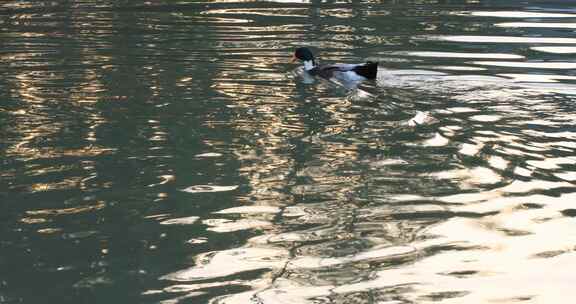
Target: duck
[(343, 72)]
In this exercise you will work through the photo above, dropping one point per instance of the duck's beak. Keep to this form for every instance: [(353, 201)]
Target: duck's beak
[(294, 59)]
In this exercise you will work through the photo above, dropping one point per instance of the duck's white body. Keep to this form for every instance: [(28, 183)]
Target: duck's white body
[(343, 72)]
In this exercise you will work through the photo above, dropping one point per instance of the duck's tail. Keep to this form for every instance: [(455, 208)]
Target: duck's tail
[(368, 70)]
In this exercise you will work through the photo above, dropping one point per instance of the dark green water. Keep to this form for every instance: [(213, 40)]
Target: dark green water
[(168, 152)]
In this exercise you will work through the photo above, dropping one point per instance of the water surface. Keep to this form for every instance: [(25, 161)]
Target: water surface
[(168, 152)]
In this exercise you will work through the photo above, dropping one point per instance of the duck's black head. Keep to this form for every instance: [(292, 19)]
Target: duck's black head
[(303, 54)]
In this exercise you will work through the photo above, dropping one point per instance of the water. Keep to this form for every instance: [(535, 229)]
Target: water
[(167, 152)]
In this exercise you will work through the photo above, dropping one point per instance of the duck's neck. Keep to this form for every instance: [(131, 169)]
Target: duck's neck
[(309, 65)]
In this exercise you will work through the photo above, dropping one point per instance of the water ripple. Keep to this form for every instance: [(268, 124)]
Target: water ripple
[(169, 152)]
